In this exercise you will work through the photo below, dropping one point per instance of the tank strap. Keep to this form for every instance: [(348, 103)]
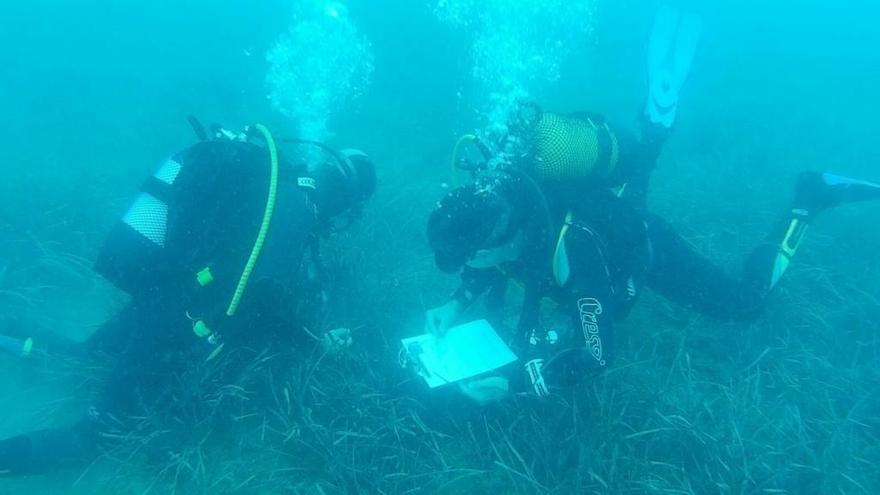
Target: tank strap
[(158, 189), (608, 150)]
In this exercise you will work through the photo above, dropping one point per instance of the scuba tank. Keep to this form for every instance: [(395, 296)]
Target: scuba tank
[(549, 147)]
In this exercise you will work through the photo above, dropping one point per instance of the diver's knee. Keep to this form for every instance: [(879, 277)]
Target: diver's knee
[(572, 368), (46, 450), (15, 455)]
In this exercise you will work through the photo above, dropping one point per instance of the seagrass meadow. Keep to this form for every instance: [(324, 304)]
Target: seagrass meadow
[(95, 96)]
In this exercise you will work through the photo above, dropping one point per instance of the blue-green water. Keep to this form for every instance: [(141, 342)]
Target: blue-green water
[(95, 96)]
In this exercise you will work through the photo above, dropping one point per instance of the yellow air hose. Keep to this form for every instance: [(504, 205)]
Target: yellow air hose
[(455, 152), (264, 227)]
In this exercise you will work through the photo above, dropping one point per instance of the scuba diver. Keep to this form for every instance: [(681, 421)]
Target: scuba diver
[(561, 209), (220, 256)]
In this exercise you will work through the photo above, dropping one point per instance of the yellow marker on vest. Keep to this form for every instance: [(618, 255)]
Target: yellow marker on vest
[(201, 329), (204, 277)]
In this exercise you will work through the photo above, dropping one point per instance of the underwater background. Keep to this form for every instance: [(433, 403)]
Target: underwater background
[(94, 95)]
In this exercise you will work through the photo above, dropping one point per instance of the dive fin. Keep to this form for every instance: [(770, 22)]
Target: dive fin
[(671, 50), (818, 191)]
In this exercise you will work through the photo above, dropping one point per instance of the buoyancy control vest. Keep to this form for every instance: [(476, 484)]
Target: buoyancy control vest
[(183, 242)]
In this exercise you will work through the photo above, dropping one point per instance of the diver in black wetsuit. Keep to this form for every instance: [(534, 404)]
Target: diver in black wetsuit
[(593, 256), (219, 253), (559, 205)]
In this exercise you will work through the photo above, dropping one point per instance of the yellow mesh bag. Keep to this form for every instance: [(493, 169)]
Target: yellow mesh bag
[(573, 148)]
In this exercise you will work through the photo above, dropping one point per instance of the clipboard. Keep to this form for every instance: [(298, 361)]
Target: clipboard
[(463, 352)]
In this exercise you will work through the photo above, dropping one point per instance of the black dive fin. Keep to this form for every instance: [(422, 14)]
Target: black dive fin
[(818, 191)]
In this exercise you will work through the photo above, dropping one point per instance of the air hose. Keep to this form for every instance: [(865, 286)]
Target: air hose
[(264, 226), (456, 150)]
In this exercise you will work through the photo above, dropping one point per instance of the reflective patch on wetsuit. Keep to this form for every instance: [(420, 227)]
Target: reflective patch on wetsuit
[(536, 377), (169, 171), (148, 216), (780, 265), (561, 266), (306, 182), (590, 309)]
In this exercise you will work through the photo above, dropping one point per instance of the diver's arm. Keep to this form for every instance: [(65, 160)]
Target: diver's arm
[(474, 283), (558, 357), (316, 274), (315, 291), (563, 357)]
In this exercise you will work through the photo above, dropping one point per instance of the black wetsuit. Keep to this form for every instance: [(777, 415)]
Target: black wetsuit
[(607, 248), (202, 210)]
